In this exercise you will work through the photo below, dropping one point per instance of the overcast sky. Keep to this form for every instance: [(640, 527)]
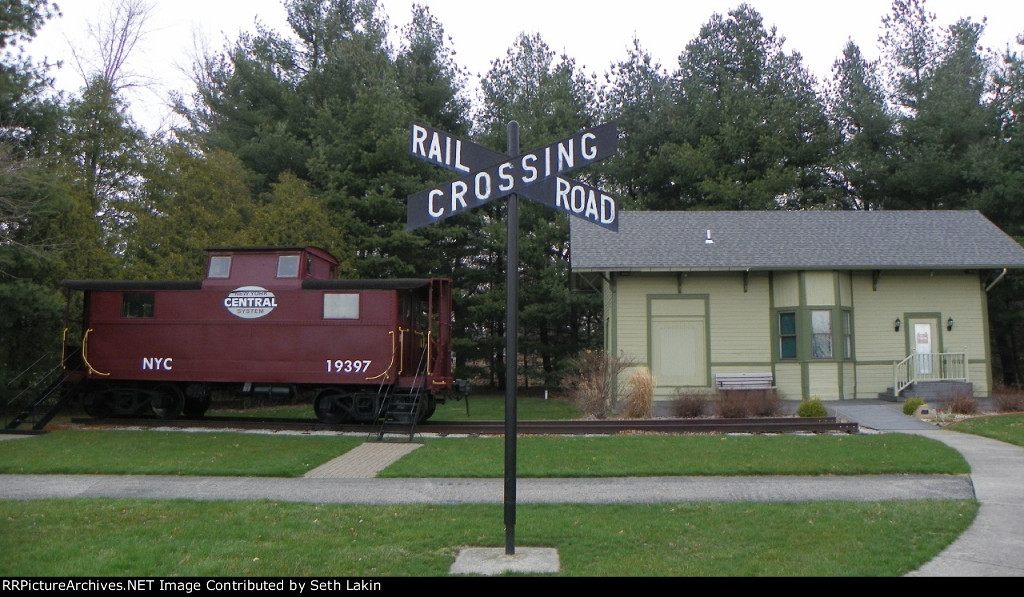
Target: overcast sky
[(596, 33)]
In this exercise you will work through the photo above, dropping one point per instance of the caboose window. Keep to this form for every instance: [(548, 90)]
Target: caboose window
[(137, 305), (288, 266), (341, 306), (220, 266)]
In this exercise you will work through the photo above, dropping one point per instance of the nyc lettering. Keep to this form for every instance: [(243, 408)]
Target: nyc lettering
[(509, 176), (157, 363), (347, 366)]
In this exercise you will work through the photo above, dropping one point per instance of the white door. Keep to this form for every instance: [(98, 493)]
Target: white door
[(924, 334)]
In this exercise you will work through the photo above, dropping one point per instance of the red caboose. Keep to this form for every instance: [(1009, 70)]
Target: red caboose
[(268, 322)]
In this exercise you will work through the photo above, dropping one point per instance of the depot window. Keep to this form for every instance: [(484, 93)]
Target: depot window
[(787, 335), (821, 334), (137, 305)]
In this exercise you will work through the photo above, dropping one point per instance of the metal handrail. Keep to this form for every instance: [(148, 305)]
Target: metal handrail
[(933, 366)]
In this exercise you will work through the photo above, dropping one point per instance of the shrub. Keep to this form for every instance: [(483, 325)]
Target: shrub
[(593, 382), (812, 408), (765, 403), (911, 405), (1008, 401), (690, 404), (733, 404), (639, 401), (963, 404)]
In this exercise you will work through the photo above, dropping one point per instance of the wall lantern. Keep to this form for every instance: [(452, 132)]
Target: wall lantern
[(896, 326), (949, 324)]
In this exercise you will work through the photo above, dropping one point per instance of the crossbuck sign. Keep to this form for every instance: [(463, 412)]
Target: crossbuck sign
[(537, 175), (486, 175)]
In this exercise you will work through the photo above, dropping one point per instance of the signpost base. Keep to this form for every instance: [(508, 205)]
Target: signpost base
[(491, 561)]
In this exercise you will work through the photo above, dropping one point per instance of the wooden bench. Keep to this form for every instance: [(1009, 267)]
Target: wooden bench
[(744, 381)]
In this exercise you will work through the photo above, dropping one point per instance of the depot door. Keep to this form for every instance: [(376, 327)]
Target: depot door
[(679, 347), (924, 343)]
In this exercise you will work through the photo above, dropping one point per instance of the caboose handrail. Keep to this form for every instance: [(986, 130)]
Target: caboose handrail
[(85, 357), (429, 361), (384, 374), (401, 351)]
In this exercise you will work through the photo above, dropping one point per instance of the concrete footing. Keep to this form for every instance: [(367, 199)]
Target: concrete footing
[(490, 561)]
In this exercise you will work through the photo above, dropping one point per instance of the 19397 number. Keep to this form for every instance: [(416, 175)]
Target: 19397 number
[(347, 366)]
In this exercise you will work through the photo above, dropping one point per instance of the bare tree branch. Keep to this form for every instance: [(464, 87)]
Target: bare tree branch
[(115, 37)]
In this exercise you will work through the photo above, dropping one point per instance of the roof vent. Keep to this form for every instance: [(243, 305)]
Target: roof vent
[(708, 240)]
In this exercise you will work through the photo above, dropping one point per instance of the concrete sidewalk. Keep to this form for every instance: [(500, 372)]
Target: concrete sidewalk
[(994, 544)]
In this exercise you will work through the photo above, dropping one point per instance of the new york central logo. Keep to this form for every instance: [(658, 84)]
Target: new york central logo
[(250, 302)]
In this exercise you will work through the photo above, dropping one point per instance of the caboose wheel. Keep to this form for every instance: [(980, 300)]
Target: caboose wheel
[(167, 401), (197, 401), (428, 411), (97, 403), (331, 407), (196, 407)]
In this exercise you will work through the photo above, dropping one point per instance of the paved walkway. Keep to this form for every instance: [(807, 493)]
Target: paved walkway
[(992, 546), (994, 543)]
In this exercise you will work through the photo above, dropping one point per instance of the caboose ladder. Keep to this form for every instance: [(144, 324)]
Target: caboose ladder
[(401, 407), (401, 413)]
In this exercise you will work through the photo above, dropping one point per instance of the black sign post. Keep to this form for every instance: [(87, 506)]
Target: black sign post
[(511, 350), (486, 175)]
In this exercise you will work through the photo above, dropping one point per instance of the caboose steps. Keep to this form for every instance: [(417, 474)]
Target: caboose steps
[(37, 406), (401, 411)]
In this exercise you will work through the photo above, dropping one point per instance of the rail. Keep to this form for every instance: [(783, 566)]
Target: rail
[(565, 427), (934, 366)]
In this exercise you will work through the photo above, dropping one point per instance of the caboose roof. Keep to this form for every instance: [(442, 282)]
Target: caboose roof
[(131, 285), (312, 284), (392, 284)]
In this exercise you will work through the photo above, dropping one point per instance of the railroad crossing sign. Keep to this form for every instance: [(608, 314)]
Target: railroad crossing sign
[(487, 175), (536, 175)]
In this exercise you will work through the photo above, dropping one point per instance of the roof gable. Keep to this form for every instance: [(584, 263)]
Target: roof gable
[(773, 240)]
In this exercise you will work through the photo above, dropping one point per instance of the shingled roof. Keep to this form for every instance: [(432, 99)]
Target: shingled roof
[(806, 240)]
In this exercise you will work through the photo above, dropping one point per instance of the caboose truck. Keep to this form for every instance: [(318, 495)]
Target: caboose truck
[(267, 322)]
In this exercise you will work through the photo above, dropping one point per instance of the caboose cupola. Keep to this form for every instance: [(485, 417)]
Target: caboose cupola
[(268, 267)]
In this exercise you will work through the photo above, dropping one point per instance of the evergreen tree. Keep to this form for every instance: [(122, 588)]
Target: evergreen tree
[(747, 130), (550, 99), (998, 169), (860, 113), (31, 202), (639, 99)]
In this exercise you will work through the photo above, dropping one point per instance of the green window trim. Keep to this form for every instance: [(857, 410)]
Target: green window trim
[(821, 334), (809, 334), (787, 335)]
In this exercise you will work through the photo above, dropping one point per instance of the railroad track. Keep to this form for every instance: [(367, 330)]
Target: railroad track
[(569, 427)]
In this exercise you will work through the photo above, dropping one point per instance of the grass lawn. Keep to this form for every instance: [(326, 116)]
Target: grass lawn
[(1005, 428), (137, 538), (209, 539), (248, 454)]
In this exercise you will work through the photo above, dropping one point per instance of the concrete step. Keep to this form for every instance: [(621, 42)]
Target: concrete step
[(930, 391)]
